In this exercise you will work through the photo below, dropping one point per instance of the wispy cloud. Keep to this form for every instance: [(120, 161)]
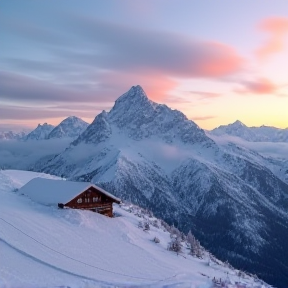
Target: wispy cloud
[(205, 95), (276, 29), (105, 45), (258, 86), (203, 118), (126, 48), (97, 61), (20, 87), (33, 113), (85, 60)]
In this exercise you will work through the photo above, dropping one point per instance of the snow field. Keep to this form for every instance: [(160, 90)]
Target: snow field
[(42, 246)]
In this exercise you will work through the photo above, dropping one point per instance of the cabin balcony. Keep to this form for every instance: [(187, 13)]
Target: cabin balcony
[(91, 206)]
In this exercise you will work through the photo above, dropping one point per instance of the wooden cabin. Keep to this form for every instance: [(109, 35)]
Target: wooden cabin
[(95, 199), (75, 195)]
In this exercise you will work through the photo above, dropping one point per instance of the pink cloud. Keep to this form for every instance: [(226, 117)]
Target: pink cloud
[(259, 86), (222, 60), (277, 29), (205, 95), (122, 48)]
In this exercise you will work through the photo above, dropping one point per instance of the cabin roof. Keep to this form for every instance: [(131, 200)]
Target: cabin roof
[(51, 192)]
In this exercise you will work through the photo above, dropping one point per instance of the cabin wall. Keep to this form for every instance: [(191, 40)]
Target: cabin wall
[(94, 200)]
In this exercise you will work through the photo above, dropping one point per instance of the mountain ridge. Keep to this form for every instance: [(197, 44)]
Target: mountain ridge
[(253, 134), (70, 127)]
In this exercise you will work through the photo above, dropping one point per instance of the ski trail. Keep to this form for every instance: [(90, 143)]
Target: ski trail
[(48, 264)]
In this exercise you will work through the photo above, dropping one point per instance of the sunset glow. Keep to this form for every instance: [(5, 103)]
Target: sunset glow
[(213, 60)]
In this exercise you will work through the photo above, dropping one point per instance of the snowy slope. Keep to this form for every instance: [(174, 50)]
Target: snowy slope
[(70, 127), (42, 246), (40, 132), (253, 134), (232, 198)]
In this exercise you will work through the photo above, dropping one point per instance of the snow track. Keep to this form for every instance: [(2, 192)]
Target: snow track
[(42, 262), (67, 256)]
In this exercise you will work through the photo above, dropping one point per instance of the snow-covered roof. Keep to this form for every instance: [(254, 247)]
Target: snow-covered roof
[(51, 192)]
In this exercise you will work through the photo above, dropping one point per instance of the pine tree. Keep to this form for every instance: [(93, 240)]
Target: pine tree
[(195, 247), (174, 232), (175, 245)]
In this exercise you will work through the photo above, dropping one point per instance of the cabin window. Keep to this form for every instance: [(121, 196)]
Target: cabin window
[(79, 200), (85, 200), (88, 200), (95, 199)]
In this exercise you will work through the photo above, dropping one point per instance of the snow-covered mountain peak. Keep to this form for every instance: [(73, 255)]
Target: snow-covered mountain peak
[(136, 117), (142, 118), (70, 127), (238, 123), (40, 133), (132, 102), (73, 119), (134, 93)]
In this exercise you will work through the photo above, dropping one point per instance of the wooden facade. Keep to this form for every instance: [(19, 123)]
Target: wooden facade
[(94, 200)]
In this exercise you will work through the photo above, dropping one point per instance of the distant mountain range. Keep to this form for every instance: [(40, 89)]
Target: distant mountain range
[(10, 135), (232, 198), (70, 127), (253, 134)]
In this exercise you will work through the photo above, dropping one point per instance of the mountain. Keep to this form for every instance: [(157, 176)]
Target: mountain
[(232, 198), (10, 135), (40, 133), (140, 118), (253, 134), (50, 247), (70, 127)]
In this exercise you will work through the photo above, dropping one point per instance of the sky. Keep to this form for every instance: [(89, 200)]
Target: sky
[(216, 61)]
